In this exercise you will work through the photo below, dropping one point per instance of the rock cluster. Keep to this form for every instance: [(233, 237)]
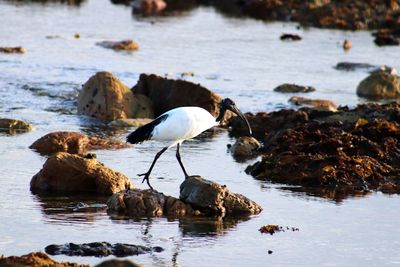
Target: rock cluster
[(100, 249), (350, 150), (198, 197), (36, 259)]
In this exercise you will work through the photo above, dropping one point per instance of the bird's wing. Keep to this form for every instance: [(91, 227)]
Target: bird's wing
[(144, 132)]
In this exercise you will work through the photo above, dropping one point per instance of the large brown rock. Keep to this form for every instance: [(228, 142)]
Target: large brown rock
[(105, 97), (380, 84), (69, 173), (73, 143), (35, 259), (215, 199), (316, 104), (140, 203), (293, 88), (245, 147), (167, 94)]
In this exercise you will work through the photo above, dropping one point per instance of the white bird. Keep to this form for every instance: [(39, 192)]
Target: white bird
[(178, 125)]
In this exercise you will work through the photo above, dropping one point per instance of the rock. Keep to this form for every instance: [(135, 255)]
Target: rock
[(379, 84), (129, 122), (274, 228), (148, 7), (100, 249), (262, 123), (293, 88), (346, 44), (245, 147), (125, 45), (12, 126), (12, 50), (141, 203), (73, 143), (384, 38), (104, 97), (332, 155), (167, 94), (35, 259), (67, 173), (316, 104), (118, 263), (290, 37), (214, 199)]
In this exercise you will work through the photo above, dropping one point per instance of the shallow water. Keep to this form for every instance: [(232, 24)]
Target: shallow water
[(238, 58)]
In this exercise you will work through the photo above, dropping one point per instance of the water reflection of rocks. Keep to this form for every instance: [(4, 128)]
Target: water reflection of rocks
[(71, 209)]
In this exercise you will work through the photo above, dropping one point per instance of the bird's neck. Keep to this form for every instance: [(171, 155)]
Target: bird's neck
[(221, 115)]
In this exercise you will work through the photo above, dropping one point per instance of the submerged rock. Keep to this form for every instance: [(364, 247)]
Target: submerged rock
[(141, 203), (35, 259), (104, 97), (126, 45), (12, 50), (245, 147), (215, 199), (167, 94), (73, 143), (13, 126), (100, 249), (380, 84), (67, 173), (316, 104), (293, 88), (353, 66), (290, 37)]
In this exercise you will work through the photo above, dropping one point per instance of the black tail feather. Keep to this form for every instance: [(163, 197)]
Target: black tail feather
[(143, 133)]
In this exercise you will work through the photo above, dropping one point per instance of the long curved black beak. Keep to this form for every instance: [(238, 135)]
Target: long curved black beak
[(235, 110)]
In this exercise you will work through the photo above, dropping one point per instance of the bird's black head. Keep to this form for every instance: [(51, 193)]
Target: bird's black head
[(228, 104)]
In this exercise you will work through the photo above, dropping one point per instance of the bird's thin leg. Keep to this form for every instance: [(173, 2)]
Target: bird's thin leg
[(147, 174), (178, 157)]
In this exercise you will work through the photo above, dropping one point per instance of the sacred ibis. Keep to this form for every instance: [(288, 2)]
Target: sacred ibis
[(180, 124)]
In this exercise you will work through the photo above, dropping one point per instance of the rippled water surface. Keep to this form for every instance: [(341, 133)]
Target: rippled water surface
[(238, 58)]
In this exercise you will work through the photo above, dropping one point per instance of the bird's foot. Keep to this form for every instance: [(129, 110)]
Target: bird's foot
[(146, 178)]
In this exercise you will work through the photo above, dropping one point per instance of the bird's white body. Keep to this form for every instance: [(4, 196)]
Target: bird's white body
[(183, 123)]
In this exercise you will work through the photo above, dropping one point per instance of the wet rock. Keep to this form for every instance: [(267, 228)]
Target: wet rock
[(379, 84), (290, 37), (104, 97), (118, 263), (167, 94), (67, 173), (35, 259), (73, 143), (344, 153), (346, 44), (12, 50), (273, 228), (129, 122), (125, 45), (100, 249), (384, 38), (316, 104), (245, 147), (13, 126), (141, 203), (347, 14), (215, 199), (148, 7), (262, 123), (293, 88)]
